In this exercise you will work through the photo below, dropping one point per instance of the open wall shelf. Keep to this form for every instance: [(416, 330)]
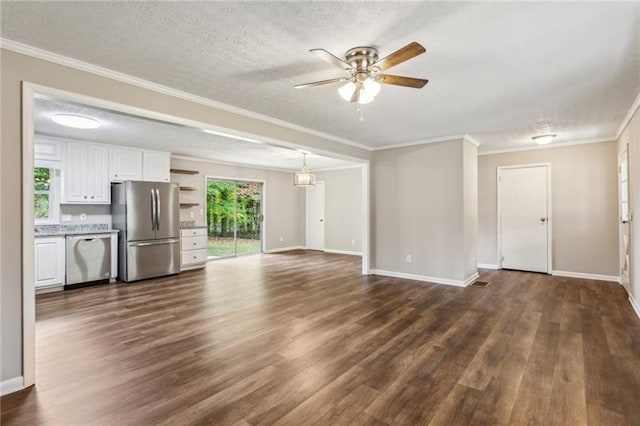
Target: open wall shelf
[(184, 172)]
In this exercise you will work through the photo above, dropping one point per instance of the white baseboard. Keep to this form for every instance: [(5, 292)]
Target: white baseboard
[(11, 385), (435, 280), (487, 266), (614, 278), (280, 249), (634, 304), (471, 279), (350, 253)]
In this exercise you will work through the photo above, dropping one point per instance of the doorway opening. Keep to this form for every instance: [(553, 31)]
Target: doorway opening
[(234, 217), (623, 183)]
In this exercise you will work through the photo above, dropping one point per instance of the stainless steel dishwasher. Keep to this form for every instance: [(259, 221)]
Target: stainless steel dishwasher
[(88, 258)]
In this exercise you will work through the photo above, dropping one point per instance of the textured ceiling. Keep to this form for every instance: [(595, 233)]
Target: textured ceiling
[(127, 130), (498, 71)]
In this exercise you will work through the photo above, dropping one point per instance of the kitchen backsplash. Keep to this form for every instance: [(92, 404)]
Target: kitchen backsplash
[(95, 214)]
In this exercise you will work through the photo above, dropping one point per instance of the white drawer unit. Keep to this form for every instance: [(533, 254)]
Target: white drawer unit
[(191, 257), (193, 248), (196, 232), (193, 243)]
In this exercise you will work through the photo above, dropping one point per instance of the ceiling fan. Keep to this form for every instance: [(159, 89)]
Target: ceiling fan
[(364, 71)]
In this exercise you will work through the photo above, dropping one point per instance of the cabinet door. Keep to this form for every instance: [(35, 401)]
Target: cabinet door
[(49, 261), (99, 190), (75, 175), (126, 164), (47, 149), (155, 166)]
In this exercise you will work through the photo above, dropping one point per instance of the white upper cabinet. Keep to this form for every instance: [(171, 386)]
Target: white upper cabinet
[(156, 166), (136, 164), (126, 164), (86, 178), (46, 148), (99, 187)]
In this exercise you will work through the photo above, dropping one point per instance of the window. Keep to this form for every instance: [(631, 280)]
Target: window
[(45, 201)]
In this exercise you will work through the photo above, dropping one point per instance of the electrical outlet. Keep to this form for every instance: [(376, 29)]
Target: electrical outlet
[(281, 238), (408, 259), (83, 216), (353, 242), (192, 215)]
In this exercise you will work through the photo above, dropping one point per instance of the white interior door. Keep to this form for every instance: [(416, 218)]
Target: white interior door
[(315, 216), (523, 196), (623, 178)]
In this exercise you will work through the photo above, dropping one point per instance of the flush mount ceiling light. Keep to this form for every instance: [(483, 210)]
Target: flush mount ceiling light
[(543, 139), (304, 177), (363, 72), (76, 121)]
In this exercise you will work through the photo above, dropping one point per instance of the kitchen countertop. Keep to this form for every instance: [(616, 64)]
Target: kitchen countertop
[(64, 230), (65, 233)]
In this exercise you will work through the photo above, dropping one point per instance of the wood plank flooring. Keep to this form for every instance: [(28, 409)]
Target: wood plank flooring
[(301, 338)]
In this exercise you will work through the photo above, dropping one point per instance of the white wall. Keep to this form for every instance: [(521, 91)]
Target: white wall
[(470, 208), (282, 199), (343, 209), (584, 205), (419, 200)]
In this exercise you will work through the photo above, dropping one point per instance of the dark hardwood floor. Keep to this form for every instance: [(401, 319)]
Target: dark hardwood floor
[(301, 338)]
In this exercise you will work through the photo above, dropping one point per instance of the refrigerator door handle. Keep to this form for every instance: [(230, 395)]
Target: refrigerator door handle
[(158, 208), (154, 209), (155, 243)]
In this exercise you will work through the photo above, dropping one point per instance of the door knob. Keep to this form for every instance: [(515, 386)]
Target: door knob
[(543, 219), (321, 220)]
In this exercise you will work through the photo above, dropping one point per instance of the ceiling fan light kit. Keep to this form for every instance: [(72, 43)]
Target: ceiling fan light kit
[(363, 68), (543, 139)]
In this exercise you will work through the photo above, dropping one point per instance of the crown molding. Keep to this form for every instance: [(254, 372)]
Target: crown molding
[(229, 163), (419, 142), (627, 118), (335, 169), (471, 140), (66, 61), (548, 146)]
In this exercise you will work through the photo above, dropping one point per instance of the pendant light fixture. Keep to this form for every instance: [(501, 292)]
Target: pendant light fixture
[(304, 177)]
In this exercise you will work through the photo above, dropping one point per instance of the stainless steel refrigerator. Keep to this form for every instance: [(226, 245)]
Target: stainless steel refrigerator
[(147, 216)]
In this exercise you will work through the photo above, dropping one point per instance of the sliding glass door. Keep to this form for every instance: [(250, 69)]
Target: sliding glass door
[(234, 217)]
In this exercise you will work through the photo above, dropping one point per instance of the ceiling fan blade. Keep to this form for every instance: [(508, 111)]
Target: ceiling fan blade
[(416, 83), (411, 50), (319, 83), (332, 59)]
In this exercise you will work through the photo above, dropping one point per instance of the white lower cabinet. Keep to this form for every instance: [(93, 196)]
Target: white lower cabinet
[(193, 248), (49, 262)]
